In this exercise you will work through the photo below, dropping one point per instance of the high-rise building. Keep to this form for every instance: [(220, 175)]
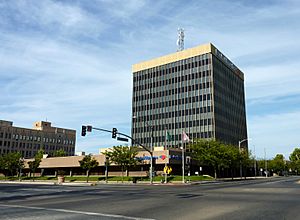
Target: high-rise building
[(198, 91), (29, 141)]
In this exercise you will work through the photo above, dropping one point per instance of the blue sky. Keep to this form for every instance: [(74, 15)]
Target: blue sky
[(70, 61)]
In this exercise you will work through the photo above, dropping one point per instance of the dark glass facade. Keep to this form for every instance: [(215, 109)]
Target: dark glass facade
[(199, 95)]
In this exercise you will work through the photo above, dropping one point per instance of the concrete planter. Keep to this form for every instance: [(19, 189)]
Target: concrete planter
[(60, 179)]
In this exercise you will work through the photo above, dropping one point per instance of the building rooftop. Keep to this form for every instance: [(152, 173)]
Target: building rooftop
[(185, 54)]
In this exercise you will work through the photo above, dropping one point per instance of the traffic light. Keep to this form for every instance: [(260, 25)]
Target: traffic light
[(89, 128), (114, 133), (83, 130)]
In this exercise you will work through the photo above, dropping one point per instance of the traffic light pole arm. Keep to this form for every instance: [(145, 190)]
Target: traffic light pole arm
[(134, 141), (100, 129), (125, 135)]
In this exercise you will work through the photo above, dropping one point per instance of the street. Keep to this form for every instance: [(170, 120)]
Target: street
[(273, 198)]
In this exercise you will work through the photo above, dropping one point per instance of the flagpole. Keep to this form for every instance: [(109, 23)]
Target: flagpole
[(166, 178), (182, 145)]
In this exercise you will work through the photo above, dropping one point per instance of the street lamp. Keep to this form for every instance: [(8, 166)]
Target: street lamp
[(151, 152), (254, 157), (241, 141), (151, 155), (151, 149), (21, 164)]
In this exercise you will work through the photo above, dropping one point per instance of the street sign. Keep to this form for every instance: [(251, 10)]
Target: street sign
[(167, 169), (122, 139)]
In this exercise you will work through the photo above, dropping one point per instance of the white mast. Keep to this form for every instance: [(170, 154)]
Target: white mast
[(180, 41)]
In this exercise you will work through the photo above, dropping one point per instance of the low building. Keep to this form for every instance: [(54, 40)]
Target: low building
[(42, 136), (71, 165)]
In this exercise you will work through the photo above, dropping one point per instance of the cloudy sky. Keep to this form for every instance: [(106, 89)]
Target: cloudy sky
[(69, 62)]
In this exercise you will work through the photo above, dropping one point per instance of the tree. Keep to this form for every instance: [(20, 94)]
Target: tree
[(212, 153), (11, 163), (295, 160), (123, 156), (232, 157), (2, 164), (217, 155), (245, 160), (33, 165), (277, 164), (88, 163), (59, 153)]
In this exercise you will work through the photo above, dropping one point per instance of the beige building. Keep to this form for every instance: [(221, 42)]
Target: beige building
[(41, 136), (71, 166)]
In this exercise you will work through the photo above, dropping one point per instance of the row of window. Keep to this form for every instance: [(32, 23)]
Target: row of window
[(19, 144), (179, 66), (177, 125), (173, 91), (160, 140), (140, 85), (166, 115), (30, 154), (31, 146), (176, 102), (18, 137)]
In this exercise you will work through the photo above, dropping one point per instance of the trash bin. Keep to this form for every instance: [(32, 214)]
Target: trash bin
[(134, 179)]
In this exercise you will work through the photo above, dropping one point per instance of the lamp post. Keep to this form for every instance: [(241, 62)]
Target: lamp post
[(183, 165), (241, 141), (151, 149), (254, 162), (106, 168), (266, 163), (151, 153), (21, 164)]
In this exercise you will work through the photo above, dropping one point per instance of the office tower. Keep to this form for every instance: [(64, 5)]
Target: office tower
[(198, 91)]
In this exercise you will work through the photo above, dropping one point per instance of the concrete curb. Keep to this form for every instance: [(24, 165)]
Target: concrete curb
[(175, 183), (49, 183)]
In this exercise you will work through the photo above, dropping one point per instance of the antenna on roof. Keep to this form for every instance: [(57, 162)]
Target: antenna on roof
[(180, 41)]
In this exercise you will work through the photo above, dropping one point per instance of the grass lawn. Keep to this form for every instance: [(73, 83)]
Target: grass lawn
[(115, 178)]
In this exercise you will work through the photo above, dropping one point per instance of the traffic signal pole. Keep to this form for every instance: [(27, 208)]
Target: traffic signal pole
[(114, 133)]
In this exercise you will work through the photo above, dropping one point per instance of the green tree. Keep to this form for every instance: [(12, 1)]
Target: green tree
[(232, 157), (123, 156), (59, 153), (33, 165), (88, 163), (11, 163), (245, 160), (217, 155), (214, 153), (295, 160), (277, 164), (2, 162)]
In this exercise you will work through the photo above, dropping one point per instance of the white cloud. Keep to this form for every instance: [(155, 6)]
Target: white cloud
[(52, 18), (72, 64), (275, 132)]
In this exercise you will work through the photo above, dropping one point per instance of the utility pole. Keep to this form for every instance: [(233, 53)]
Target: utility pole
[(241, 170), (151, 157), (266, 163), (254, 162), (183, 165), (114, 132)]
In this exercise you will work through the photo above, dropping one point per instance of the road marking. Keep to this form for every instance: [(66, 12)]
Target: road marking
[(76, 212)]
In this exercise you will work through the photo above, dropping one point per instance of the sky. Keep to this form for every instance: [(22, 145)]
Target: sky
[(69, 62)]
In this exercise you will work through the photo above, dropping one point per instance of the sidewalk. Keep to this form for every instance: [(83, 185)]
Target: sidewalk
[(47, 182), (93, 183)]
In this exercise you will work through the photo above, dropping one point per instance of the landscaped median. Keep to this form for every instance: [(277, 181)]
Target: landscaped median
[(114, 179)]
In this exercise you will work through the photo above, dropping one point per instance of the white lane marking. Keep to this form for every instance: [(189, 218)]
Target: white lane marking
[(76, 212)]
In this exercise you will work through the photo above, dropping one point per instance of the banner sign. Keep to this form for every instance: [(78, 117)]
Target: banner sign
[(163, 157)]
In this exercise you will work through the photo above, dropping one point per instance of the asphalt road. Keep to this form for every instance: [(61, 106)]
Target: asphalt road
[(277, 198)]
